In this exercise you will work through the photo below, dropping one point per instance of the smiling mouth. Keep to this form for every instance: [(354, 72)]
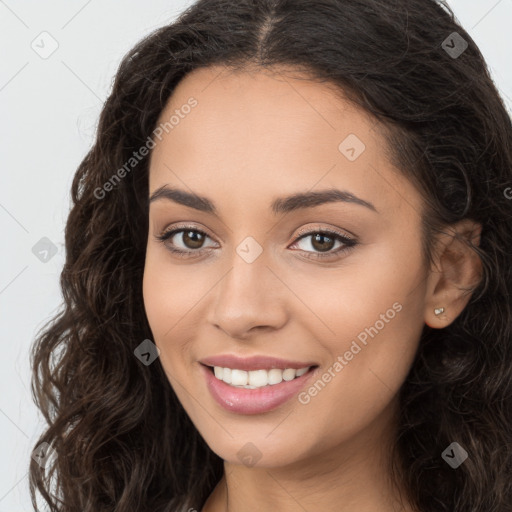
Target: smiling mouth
[(255, 379)]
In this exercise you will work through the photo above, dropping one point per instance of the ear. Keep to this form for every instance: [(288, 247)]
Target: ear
[(455, 273)]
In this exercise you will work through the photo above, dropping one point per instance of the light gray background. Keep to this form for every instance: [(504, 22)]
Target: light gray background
[(50, 109)]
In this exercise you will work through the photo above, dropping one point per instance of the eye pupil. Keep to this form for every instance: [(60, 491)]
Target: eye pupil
[(195, 241), (320, 237)]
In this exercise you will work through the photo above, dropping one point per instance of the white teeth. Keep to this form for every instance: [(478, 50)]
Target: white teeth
[(257, 378), (275, 376), (238, 377), (226, 377), (289, 374)]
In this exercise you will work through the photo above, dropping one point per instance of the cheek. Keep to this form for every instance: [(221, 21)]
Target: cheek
[(370, 323), (368, 363), (165, 305), (378, 280), (169, 294), (164, 308), (158, 303), (172, 299), (377, 319)]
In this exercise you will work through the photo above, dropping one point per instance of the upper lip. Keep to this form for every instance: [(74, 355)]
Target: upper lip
[(253, 362)]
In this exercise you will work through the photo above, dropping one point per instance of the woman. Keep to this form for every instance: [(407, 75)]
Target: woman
[(288, 283)]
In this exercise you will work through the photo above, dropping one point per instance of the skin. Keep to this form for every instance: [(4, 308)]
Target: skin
[(255, 136)]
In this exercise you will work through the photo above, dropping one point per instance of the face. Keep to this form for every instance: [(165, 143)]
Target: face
[(270, 265)]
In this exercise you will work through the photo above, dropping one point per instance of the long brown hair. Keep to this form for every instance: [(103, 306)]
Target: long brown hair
[(121, 438)]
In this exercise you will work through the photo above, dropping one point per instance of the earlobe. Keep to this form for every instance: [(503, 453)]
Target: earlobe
[(458, 273)]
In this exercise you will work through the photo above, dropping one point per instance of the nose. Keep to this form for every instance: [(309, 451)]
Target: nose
[(248, 299)]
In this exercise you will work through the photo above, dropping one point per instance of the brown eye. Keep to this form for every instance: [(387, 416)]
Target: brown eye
[(322, 243), (191, 240)]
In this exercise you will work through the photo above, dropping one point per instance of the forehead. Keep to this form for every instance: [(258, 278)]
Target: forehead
[(268, 132)]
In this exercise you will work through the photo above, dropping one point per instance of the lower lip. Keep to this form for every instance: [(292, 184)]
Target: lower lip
[(253, 401)]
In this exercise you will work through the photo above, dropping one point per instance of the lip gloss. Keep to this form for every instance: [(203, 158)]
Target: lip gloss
[(253, 401)]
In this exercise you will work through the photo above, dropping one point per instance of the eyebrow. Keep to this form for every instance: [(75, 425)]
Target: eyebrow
[(286, 204)]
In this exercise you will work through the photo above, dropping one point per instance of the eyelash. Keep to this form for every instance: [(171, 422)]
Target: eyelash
[(349, 243)]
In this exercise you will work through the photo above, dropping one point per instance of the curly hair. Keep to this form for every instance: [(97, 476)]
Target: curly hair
[(122, 439)]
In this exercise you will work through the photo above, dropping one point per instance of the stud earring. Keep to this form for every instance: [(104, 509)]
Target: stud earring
[(438, 311)]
